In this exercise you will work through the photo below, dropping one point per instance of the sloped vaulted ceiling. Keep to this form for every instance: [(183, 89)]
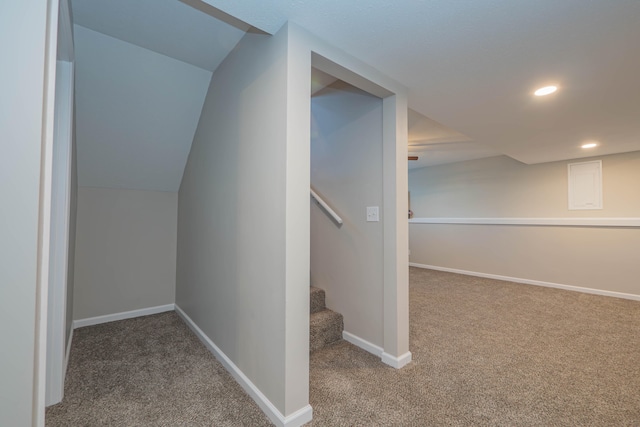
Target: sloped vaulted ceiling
[(142, 72)]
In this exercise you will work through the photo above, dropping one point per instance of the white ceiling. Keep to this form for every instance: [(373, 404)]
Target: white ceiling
[(472, 65), (435, 144), (169, 27)]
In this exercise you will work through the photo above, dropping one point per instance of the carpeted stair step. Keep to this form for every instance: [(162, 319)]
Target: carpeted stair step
[(317, 300), (325, 327)]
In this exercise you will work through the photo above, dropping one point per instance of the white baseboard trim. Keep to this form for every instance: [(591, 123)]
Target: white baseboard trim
[(298, 418), (362, 343), (396, 362), (532, 282), (121, 316)]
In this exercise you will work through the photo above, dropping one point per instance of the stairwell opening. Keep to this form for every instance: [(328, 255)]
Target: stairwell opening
[(346, 171)]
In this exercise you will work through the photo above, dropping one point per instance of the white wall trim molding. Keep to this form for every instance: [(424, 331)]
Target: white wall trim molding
[(90, 321), (531, 282), (59, 233), (550, 222), (45, 225), (362, 343), (298, 418), (388, 359), (396, 362)]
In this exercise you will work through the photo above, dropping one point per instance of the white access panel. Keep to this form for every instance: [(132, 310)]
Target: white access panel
[(585, 185)]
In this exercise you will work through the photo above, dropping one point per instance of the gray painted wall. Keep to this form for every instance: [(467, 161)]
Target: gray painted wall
[(22, 42), (232, 274), (125, 250), (499, 187), (503, 187), (346, 169)]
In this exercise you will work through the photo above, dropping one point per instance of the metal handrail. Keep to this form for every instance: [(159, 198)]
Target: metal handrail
[(326, 207)]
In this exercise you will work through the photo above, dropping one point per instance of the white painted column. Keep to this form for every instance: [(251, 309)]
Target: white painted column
[(396, 232)]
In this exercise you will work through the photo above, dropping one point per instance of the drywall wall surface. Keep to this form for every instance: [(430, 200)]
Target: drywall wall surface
[(599, 258), (346, 170), (243, 240), (125, 250), (22, 41), (137, 112), (502, 187), (231, 216), (297, 234)]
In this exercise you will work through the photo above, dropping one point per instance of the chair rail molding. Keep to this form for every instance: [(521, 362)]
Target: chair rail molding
[(549, 222)]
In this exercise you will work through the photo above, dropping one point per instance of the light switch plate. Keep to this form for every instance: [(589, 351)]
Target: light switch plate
[(373, 214)]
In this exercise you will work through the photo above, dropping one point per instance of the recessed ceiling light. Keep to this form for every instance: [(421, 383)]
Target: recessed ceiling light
[(589, 145), (545, 90)]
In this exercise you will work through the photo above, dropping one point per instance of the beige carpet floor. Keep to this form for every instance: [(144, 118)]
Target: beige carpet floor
[(485, 353), (491, 353), (148, 371)]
